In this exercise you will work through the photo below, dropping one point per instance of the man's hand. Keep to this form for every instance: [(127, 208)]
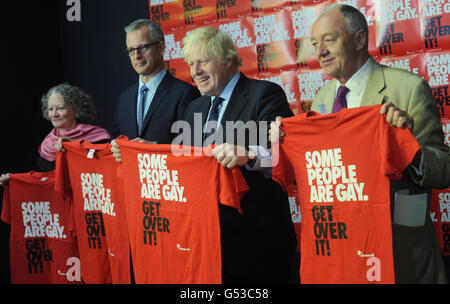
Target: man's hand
[(115, 149), (275, 134), (396, 117), (231, 156)]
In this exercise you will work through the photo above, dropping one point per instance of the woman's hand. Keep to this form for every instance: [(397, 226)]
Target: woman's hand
[(4, 178), (58, 144)]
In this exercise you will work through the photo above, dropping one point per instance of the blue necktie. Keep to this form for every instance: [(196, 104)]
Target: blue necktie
[(340, 102), (141, 113), (212, 122)]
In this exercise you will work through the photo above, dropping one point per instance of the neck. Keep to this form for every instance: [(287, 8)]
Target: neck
[(147, 77), (359, 63), (67, 129)]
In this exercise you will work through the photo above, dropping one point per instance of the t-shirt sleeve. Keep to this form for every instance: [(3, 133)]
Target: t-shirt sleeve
[(282, 171), (6, 208), (232, 187), (62, 180), (398, 148)]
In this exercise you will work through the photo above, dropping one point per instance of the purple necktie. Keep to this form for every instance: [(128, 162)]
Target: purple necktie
[(340, 102), (141, 115)]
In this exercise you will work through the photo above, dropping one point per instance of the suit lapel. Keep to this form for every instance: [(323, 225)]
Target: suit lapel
[(328, 98), (375, 84), (237, 100), (161, 91), (131, 111)]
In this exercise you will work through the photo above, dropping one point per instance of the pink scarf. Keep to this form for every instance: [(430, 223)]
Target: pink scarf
[(88, 133)]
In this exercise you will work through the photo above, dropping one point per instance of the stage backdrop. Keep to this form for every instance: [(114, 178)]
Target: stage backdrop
[(272, 39)]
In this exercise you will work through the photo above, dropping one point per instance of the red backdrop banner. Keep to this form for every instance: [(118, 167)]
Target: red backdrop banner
[(272, 37)]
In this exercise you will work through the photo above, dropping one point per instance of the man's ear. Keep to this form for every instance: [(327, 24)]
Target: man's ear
[(229, 63), (162, 47), (361, 40)]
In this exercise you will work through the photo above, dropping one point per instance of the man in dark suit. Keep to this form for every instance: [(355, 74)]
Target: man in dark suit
[(146, 110), (258, 246)]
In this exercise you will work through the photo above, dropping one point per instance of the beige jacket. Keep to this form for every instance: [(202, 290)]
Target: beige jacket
[(417, 256)]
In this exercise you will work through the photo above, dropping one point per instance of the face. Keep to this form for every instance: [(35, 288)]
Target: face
[(152, 61), (62, 116), (334, 47), (210, 75)]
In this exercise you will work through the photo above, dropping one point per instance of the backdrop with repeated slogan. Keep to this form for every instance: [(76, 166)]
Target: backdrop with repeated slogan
[(272, 37)]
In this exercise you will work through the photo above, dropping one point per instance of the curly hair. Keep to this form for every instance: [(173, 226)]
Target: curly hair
[(74, 97)]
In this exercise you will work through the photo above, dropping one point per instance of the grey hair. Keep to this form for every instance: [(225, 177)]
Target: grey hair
[(75, 98), (354, 18), (155, 30)]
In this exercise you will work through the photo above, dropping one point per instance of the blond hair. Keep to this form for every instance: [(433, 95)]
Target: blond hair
[(214, 42)]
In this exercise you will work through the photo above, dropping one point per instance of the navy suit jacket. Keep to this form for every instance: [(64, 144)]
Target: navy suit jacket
[(168, 105), (260, 241)]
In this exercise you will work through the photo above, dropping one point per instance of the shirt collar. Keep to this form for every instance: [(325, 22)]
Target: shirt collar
[(229, 88), (154, 82), (357, 82)]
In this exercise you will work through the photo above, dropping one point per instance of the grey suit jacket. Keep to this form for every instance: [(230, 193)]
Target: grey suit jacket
[(417, 257)]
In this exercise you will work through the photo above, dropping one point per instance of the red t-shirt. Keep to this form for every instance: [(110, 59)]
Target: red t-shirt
[(172, 207), (342, 164), (42, 247), (88, 172), (296, 215)]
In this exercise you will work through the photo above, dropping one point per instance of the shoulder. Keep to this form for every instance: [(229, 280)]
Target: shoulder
[(401, 77), (259, 87), (178, 83), (330, 85)]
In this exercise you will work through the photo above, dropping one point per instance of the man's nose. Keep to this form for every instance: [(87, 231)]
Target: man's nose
[(322, 49)]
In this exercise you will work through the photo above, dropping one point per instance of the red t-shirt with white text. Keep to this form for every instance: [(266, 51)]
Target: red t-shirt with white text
[(88, 173), (42, 247), (172, 207), (342, 164)]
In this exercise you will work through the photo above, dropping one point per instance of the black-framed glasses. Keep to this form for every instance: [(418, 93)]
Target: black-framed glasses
[(142, 49)]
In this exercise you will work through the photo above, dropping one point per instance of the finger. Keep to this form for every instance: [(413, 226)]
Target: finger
[(278, 120), (232, 163), (395, 117), (390, 116), (117, 157), (404, 122), (217, 150), (385, 107)]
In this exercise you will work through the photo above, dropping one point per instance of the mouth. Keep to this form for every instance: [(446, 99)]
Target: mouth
[(326, 61), (200, 80)]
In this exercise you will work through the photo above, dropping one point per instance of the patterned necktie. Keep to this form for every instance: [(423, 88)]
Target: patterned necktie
[(141, 115), (212, 122), (340, 102)]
